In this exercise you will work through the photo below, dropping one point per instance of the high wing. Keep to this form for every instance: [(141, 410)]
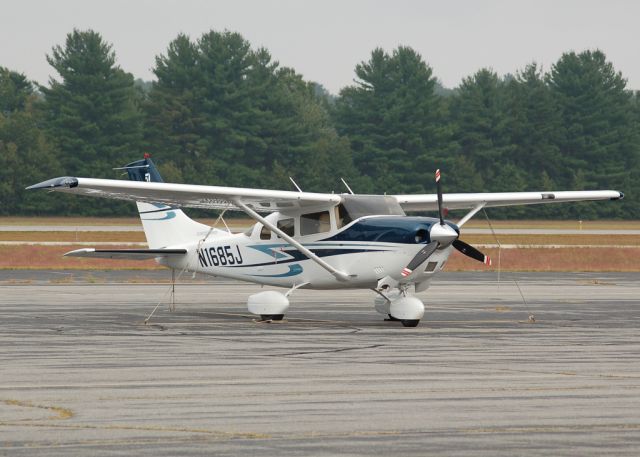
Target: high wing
[(129, 254), (262, 200), (426, 202), (188, 195)]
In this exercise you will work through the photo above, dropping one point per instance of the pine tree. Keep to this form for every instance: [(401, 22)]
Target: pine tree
[(227, 114), (393, 120), (601, 137), (25, 155), (534, 125), (91, 111), (479, 115), (15, 90)]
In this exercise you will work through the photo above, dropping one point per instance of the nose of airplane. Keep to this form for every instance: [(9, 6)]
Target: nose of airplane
[(443, 234)]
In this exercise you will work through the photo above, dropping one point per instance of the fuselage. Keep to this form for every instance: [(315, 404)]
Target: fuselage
[(367, 249)]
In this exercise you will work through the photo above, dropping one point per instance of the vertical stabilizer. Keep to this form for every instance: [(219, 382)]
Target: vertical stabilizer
[(164, 226)]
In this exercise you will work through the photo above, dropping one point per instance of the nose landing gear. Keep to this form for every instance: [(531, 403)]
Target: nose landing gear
[(399, 307)]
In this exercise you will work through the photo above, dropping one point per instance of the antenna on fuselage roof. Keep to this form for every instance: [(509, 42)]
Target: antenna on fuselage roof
[(294, 183), (346, 185)]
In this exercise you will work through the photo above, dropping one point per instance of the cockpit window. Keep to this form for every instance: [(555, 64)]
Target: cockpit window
[(315, 223), (356, 206), (287, 226)]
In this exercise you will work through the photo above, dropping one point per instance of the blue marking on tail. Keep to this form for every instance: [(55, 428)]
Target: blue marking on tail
[(169, 215)]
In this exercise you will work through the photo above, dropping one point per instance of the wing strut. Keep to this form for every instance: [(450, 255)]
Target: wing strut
[(340, 276), (470, 214)]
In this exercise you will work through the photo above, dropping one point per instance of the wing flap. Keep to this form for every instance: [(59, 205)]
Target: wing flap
[(128, 254)]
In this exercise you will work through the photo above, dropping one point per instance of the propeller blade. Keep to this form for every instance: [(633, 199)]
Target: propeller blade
[(420, 257), (472, 252), (439, 196)]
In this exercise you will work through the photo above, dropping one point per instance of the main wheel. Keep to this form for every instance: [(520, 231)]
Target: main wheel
[(271, 317), (410, 322)]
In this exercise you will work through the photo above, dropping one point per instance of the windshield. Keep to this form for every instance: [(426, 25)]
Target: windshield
[(356, 206)]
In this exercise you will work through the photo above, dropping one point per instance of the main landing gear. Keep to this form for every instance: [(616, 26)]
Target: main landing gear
[(272, 306), (269, 305), (271, 317)]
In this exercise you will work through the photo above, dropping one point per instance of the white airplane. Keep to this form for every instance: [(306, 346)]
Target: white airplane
[(308, 240)]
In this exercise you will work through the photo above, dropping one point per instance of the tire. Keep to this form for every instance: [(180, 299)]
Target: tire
[(410, 322), (271, 317)]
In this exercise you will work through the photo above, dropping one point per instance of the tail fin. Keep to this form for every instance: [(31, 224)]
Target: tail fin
[(163, 225)]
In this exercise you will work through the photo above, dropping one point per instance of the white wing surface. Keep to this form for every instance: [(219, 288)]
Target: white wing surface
[(262, 200), (188, 195), (426, 202)]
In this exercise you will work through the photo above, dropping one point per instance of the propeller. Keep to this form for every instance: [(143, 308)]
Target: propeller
[(420, 257), (472, 252), (443, 235), (439, 189)]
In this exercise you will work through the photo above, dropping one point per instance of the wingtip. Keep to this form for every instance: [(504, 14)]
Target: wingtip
[(64, 181), (78, 252)]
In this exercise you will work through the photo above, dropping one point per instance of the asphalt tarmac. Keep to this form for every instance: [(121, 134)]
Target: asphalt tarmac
[(81, 374)]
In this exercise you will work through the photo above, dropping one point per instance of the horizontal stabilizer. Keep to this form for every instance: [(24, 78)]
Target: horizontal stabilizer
[(128, 254)]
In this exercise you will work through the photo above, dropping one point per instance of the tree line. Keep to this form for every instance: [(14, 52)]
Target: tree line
[(222, 112)]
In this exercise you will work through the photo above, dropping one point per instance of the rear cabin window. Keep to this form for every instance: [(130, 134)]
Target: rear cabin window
[(265, 233), (315, 223), (287, 226)]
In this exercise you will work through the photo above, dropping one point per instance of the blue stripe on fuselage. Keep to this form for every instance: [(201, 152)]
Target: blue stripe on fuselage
[(293, 270), (293, 255)]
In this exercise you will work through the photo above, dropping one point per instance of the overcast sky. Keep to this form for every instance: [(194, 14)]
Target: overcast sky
[(325, 39)]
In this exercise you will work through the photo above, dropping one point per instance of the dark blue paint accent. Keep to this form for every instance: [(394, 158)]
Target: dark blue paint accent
[(166, 208), (297, 256), (143, 170), (273, 250), (392, 229)]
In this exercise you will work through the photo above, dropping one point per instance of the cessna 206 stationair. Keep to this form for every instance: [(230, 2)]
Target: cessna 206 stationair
[(307, 240)]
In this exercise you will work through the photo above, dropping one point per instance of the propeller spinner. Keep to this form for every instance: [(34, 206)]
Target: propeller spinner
[(443, 235)]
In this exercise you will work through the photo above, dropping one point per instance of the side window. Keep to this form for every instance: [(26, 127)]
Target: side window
[(342, 216), (287, 226), (265, 233), (315, 223)]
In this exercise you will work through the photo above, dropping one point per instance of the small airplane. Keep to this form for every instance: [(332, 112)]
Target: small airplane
[(307, 240)]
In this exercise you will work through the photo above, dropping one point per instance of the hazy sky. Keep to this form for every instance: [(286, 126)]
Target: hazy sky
[(325, 39)]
